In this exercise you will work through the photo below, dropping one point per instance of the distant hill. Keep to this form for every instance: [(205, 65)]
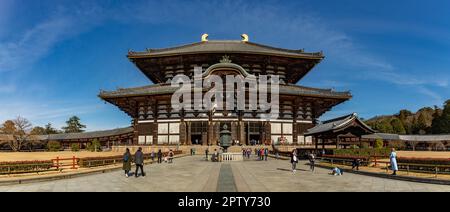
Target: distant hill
[(406, 122)]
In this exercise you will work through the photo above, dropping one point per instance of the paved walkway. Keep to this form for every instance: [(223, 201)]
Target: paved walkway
[(195, 174)]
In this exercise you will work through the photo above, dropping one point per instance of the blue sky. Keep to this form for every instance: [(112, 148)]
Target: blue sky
[(55, 56)]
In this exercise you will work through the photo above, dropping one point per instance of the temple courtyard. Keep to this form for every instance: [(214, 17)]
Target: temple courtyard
[(194, 174)]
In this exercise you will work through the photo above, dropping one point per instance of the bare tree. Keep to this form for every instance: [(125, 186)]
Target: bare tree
[(19, 131)]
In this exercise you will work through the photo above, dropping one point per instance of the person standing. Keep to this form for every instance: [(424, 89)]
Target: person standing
[(206, 153), (127, 162), (159, 156), (294, 160), (393, 159), (139, 161), (312, 161), (261, 153), (171, 154)]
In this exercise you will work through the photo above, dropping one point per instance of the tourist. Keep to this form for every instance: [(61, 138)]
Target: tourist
[(171, 154), (312, 161), (256, 153), (261, 153), (220, 154), (127, 162), (393, 159), (356, 163), (152, 155), (266, 153), (139, 161), (294, 160), (159, 156), (214, 156), (336, 171), (206, 153), (249, 153)]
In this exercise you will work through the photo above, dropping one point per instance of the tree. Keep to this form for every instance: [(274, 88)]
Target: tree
[(50, 130), (397, 126), (94, 146), (19, 129), (422, 126), (441, 124), (74, 125), (38, 131)]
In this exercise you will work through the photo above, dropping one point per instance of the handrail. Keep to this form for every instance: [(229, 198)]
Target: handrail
[(387, 164)]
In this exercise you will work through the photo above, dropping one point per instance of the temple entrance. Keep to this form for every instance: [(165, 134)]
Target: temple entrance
[(196, 139), (198, 134), (255, 139), (254, 132)]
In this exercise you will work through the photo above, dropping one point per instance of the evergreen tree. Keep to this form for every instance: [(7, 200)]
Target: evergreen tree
[(74, 125), (397, 126), (50, 130), (422, 126)]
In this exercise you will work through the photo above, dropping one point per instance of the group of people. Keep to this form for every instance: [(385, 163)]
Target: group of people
[(262, 153), (337, 171), (138, 160)]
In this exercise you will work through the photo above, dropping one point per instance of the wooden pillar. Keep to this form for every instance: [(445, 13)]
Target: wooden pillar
[(316, 142), (189, 133), (209, 133)]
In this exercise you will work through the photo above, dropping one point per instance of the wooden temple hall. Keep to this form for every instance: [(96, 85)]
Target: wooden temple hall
[(156, 123)]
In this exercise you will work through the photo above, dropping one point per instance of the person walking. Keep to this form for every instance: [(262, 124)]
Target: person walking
[(206, 153), (139, 161), (159, 156), (312, 161), (266, 153), (127, 158), (294, 160), (152, 155), (393, 159), (356, 163)]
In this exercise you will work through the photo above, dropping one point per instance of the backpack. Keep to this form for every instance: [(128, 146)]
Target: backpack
[(125, 158)]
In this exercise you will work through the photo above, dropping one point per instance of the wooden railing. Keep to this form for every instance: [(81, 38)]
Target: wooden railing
[(408, 167)]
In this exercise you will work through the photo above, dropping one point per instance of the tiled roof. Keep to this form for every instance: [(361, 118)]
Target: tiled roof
[(225, 46), (167, 89), (335, 124)]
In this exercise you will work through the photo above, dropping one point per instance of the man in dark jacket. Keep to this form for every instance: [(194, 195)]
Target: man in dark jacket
[(159, 156), (139, 161)]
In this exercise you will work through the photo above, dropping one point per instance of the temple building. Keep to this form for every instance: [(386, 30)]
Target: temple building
[(156, 123)]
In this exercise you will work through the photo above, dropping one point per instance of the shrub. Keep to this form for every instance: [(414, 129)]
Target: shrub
[(17, 167), (53, 146), (379, 144), (75, 147), (366, 152), (364, 145), (94, 146)]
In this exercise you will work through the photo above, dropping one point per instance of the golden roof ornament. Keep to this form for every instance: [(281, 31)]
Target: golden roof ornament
[(225, 59), (244, 37), (205, 37)]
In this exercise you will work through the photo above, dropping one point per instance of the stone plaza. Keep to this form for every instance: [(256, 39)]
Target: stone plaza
[(194, 174)]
